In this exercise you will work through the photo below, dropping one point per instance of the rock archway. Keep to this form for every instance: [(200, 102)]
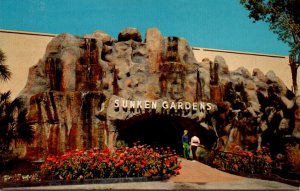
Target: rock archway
[(84, 87), (159, 130), (157, 122)]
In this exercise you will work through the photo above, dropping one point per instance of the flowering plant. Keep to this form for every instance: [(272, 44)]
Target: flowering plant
[(238, 160), (136, 161)]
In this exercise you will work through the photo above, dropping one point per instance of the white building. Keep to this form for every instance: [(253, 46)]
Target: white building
[(24, 49)]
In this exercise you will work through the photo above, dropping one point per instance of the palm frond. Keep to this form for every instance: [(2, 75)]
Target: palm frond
[(5, 74), (25, 131), (13, 122), (17, 103), (4, 97), (2, 57)]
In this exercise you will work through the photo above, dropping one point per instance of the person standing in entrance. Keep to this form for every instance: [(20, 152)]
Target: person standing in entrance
[(195, 142), (185, 144)]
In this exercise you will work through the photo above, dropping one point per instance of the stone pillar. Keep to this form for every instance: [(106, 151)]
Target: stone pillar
[(154, 49), (103, 135), (112, 139), (216, 93)]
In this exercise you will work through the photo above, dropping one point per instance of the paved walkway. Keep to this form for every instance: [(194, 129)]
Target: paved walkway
[(193, 175), (193, 171)]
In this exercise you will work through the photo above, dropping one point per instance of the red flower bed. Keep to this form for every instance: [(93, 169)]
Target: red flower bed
[(238, 161), (137, 161)]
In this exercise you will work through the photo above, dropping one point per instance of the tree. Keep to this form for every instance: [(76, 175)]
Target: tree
[(283, 17), (4, 71), (14, 126)]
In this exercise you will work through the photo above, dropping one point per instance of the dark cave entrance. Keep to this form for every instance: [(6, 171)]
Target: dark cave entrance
[(162, 131)]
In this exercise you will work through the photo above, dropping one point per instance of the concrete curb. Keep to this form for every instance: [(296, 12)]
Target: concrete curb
[(84, 181)]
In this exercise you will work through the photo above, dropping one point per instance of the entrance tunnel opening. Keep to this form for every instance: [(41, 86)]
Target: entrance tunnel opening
[(162, 131)]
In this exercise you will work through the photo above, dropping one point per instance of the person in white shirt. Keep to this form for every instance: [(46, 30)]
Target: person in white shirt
[(195, 142)]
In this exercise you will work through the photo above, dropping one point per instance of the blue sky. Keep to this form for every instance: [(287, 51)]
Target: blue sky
[(219, 24)]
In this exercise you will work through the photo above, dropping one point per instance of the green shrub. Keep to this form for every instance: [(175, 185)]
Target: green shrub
[(121, 143)]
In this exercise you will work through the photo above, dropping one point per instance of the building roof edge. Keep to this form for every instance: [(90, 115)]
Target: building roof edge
[(27, 33), (239, 52), (194, 48)]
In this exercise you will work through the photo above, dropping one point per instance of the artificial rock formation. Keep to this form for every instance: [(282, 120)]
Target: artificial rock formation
[(70, 93)]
